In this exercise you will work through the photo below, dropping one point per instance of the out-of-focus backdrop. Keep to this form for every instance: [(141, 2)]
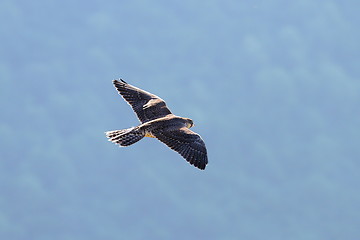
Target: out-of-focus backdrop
[(272, 86)]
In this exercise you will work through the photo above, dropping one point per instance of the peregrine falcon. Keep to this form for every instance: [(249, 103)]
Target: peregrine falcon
[(157, 121)]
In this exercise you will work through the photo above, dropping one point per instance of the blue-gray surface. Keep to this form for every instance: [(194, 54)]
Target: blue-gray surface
[(273, 87)]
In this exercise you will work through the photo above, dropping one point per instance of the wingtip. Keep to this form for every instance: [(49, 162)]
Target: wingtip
[(119, 81), (201, 166)]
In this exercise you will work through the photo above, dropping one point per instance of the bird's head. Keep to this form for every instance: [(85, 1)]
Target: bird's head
[(189, 123)]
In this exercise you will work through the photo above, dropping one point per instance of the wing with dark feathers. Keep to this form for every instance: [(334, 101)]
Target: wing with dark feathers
[(147, 106), (186, 142)]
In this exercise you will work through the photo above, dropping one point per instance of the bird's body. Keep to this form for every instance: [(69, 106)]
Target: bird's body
[(157, 121)]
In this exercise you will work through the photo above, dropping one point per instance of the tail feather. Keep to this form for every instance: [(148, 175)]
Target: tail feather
[(125, 137)]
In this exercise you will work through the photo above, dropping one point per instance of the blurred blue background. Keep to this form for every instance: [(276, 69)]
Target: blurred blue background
[(273, 87)]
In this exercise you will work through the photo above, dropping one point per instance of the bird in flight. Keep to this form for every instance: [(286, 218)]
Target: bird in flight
[(157, 121)]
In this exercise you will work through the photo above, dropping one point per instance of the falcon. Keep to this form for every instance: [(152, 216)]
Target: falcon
[(157, 121)]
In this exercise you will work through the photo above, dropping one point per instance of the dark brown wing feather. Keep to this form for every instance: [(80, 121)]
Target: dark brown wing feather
[(187, 143), (147, 106)]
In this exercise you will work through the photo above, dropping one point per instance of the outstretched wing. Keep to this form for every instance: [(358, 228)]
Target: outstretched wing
[(147, 106), (186, 142)]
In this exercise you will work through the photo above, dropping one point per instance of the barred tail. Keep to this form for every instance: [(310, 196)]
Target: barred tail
[(125, 137)]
